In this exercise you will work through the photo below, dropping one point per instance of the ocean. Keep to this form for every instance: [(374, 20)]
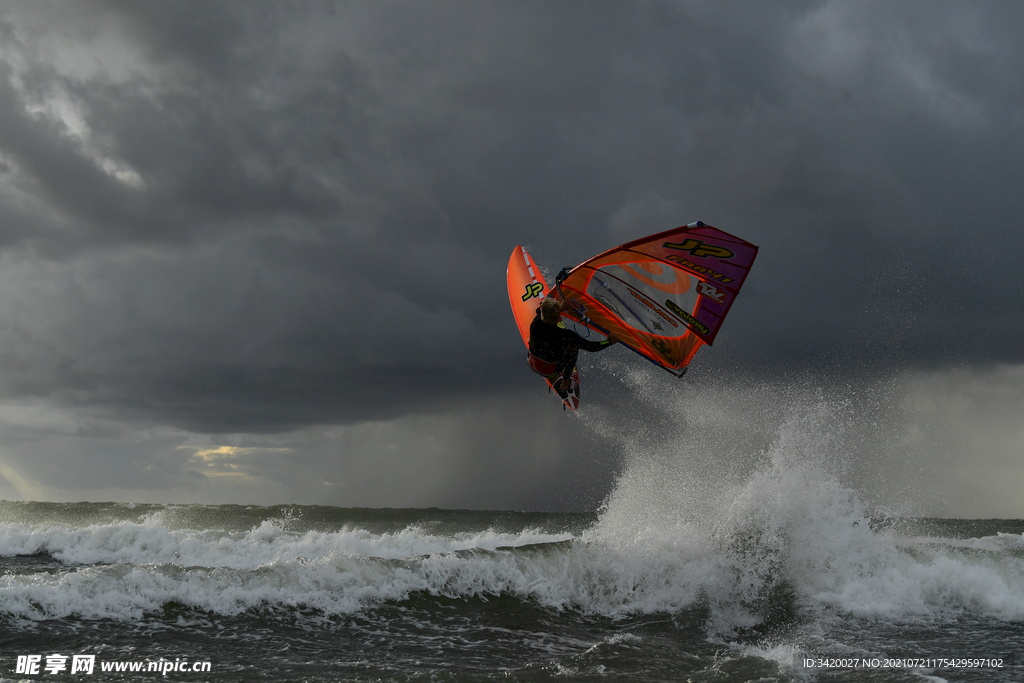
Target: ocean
[(720, 558), (307, 593)]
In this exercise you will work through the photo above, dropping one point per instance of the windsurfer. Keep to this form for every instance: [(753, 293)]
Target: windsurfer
[(553, 349)]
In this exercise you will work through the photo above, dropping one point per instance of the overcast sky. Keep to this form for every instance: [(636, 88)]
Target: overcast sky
[(255, 251)]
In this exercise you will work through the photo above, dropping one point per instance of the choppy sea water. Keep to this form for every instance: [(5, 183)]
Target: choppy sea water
[(325, 594)]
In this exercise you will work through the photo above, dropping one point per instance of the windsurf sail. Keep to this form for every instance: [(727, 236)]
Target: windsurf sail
[(666, 295)]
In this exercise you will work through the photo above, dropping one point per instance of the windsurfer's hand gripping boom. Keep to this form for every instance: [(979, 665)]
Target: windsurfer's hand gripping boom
[(567, 304)]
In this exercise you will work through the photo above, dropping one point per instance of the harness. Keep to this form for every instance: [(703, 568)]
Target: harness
[(542, 367)]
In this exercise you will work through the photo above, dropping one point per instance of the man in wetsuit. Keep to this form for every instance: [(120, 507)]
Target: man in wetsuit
[(553, 349)]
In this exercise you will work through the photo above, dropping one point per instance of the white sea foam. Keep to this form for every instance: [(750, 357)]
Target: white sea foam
[(787, 527), (136, 568), (677, 527), (151, 542), (1003, 541)]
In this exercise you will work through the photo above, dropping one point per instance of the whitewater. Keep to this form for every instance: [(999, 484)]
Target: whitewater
[(718, 558)]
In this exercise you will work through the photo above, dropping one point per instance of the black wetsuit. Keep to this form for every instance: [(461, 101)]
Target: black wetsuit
[(558, 345)]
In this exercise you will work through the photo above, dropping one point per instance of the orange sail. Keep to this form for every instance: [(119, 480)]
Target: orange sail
[(666, 295)]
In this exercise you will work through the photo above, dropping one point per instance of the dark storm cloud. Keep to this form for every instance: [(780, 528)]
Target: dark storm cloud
[(260, 215)]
